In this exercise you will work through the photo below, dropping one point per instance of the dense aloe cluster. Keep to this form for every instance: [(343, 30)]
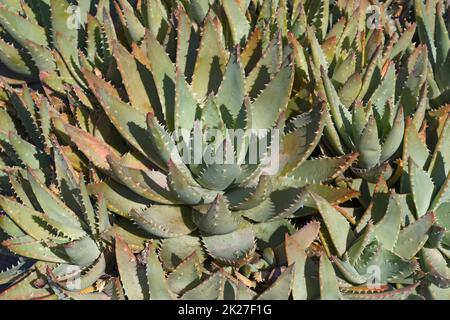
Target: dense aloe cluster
[(103, 194)]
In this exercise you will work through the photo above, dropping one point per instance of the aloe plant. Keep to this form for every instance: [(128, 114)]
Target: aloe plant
[(219, 203), (433, 32), (128, 160), (54, 228), (372, 79), (426, 178)]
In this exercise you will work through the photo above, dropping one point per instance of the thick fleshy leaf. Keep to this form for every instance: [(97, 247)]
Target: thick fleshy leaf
[(82, 252), (281, 288), (26, 109), (295, 246), (135, 84), (9, 227), (210, 289), (394, 137), (186, 37), (64, 28), (22, 29), (186, 275), (120, 199), (387, 230), (297, 146), (211, 59), (329, 289), (232, 248), (357, 248), (28, 154), (413, 146), (279, 205), (163, 71), (175, 250), (13, 59), (337, 226), (39, 250), (369, 146), (396, 294), (127, 265), (348, 271), (266, 67), (339, 113), (275, 95), (13, 272), (272, 235), (162, 142), (303, 238), (237, 20), (350, 90), (422, 188), (24, 289), (320, 170), (186, 189), (404, 42), (52, 204), (26, 218), (86, 278), (218, 219), (185, 103), (250, 197), (164, 221), (218, 176), (128, 121), (235, 289), (383, 266), (149, 184), (66, 177), (134, 27), (417, 71), (412, 238), (156, 278), (230, 95)]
